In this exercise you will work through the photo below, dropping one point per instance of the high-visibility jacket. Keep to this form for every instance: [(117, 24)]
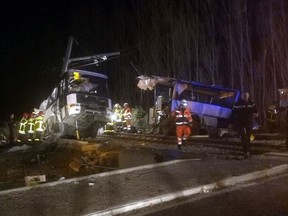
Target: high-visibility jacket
[(31, 125), (127, 114), (183, 116), (118, 115), (39, 124), (22, 126)]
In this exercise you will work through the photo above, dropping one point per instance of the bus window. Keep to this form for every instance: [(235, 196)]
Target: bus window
[(204, 95), (89, 84), (165, 92), (227, 98)]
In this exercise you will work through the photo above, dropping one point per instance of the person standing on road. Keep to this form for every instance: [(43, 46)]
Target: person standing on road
[(183, 122), (244, 111)]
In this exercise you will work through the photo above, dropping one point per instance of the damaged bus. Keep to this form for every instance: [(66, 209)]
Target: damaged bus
[(211, 106), (78, 105)]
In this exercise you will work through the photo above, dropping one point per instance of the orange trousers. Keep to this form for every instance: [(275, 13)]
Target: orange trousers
[(182, 133)]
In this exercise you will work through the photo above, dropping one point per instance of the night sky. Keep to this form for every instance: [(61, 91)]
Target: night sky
[(236, 44), (34, 36)]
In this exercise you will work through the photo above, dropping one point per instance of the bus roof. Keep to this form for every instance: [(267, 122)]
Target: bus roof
[(170, 82)]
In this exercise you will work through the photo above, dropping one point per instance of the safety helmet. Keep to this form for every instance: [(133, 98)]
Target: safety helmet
[(125, 104), (25, 115), (184, 102), (117, 106)]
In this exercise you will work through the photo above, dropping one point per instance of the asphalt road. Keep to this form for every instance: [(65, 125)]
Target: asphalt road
[(265, 198)]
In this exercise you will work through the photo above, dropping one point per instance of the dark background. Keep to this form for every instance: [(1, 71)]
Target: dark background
[(238, 44), (34, 36)]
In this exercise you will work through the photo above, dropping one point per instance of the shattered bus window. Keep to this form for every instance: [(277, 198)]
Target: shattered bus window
[(88, 84)]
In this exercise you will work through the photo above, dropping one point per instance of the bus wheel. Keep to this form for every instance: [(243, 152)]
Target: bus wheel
[(94, 130)]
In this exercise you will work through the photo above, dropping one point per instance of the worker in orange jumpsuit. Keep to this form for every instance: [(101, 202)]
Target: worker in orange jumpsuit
[(127, 117), (183, 122)]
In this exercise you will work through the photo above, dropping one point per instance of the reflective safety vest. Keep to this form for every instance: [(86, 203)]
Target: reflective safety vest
[(22, 127), (183, 117), (118, 115), (30, 126), (127, 114), (39, 124)]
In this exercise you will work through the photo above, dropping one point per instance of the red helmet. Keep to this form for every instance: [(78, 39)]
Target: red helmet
[(25, 115)]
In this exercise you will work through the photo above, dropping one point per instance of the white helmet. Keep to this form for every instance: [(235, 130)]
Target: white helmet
[(184, 102), (117, 106)]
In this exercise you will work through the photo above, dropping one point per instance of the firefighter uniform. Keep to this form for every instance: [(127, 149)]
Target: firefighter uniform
[(111, 127), (30, 130), (39, 126), (183, 121), (22, 128), (117, 117), (127, 117)]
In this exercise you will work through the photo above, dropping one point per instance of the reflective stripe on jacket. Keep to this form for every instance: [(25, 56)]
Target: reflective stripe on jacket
[(127, 114), (22, 127), (183, 116), (39, 124), (30, 126)]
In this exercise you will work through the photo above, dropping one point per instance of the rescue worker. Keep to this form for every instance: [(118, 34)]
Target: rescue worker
[(31, 127), (183, 123), (39, 126), (272, 114), (127, 117), (111, 127), (12, 127), (244, 111), (117, 117), (22, 128)]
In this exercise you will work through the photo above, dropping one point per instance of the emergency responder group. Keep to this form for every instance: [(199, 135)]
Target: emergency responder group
[(31, 127), (121, 120)]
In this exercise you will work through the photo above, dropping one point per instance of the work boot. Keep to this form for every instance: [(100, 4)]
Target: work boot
[(179, 146)]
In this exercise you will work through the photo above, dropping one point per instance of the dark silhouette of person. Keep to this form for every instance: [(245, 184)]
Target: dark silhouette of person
[(244, 111), (12, 128)]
